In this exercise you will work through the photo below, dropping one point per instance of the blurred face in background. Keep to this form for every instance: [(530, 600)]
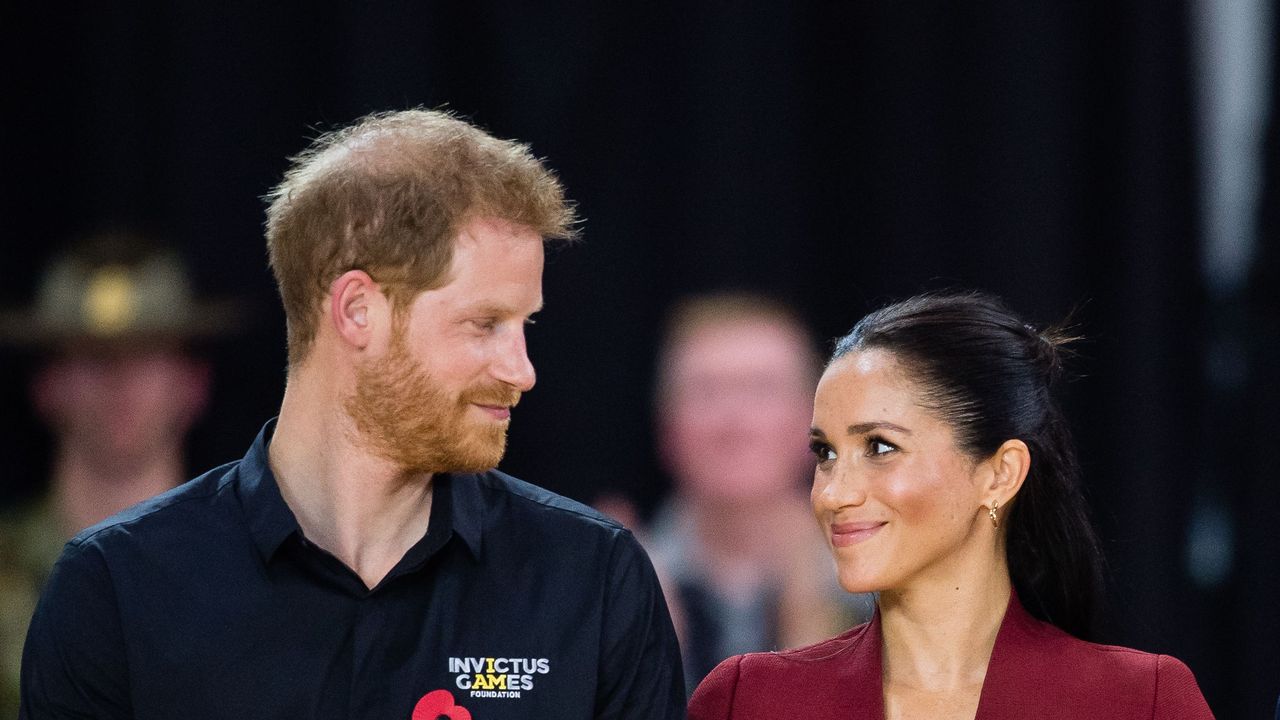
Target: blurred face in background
[(734, 411), (117, 404)]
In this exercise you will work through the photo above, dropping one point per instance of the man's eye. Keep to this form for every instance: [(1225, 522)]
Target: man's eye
[(484, 323)]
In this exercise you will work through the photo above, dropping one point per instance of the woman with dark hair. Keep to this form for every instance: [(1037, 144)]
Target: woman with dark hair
[(946, 481)]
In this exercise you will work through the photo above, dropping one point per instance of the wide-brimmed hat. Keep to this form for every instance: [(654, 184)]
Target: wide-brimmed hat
[(117, 288)]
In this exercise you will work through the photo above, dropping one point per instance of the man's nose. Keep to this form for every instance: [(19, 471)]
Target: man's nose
[(513, 367)]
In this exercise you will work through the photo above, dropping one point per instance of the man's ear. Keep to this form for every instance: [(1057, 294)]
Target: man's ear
[(358, 310), (1009, 466)]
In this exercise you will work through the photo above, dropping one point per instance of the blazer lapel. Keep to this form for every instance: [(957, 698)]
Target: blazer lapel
[(864, 684), (1016, 669)]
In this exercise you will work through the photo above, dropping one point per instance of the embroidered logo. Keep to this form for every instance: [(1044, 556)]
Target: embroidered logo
[(438, 705), (497, 677)]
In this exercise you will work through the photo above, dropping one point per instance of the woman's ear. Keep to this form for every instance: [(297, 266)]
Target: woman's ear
[(1009, 467)]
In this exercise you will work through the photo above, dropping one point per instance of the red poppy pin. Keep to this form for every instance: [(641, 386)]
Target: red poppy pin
[(438, 705)]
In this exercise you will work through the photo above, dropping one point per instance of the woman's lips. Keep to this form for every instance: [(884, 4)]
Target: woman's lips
[(846, 534)]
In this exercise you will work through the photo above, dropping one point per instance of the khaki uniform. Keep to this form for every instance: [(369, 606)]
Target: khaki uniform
[(30, 542)]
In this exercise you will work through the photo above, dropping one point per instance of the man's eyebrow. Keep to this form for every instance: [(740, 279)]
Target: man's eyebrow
[(866, 427), (495, 309)]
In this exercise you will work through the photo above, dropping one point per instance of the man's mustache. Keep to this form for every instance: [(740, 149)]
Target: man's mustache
[(493, 395)]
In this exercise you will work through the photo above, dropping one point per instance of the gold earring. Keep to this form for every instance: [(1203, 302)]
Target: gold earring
[(995, 521)]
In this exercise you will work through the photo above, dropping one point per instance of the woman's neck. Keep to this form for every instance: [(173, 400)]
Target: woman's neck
[(938, 633)]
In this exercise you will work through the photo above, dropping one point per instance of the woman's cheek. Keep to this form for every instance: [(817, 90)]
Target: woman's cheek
[(908, 493), (922, 493)]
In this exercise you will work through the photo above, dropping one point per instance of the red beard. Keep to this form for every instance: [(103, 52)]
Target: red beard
[(405, 416)]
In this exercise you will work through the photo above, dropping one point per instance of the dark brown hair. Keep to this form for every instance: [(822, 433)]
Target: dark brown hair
[(990, 375)]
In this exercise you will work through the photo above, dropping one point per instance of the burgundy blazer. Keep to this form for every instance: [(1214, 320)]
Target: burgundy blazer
[(1036, 671)]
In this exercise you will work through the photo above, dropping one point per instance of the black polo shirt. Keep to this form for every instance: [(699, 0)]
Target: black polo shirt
[(208, 602)]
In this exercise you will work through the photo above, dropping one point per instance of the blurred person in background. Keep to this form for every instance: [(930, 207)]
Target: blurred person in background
[(736, 543), (118, 388)]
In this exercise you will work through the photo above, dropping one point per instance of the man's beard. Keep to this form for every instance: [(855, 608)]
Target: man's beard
[(403, 415)]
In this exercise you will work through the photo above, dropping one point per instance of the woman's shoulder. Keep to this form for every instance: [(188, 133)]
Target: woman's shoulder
[(1164, 678), (820, 651), (780, 665), (1109, 675), (826, 679), (1049, 641)]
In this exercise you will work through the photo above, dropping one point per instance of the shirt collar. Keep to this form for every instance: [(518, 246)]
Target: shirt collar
[(457, 502), (270, 520), (467, 506)]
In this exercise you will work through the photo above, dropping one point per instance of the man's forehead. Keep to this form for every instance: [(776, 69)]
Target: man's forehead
[(752, 341)]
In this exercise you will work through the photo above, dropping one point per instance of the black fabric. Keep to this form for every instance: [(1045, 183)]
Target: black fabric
[(702, 636), (208, 602)]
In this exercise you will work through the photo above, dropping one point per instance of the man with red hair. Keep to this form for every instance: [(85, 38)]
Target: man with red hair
[(364, 559)]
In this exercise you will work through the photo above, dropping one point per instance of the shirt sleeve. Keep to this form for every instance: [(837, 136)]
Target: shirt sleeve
[(640, 677), (713, 700), (1178, 696), (73, 663)]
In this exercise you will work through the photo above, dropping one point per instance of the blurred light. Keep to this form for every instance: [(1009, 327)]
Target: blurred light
[(1232, 45), (1210, 543)]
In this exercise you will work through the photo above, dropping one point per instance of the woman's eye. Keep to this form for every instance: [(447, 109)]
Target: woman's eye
[(879, 447), (824, 452)]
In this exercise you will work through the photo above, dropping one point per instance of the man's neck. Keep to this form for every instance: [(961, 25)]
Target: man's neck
[(359, 507), (89, 488)]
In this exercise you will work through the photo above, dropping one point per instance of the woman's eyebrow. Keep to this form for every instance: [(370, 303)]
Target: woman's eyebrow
[(866, 427)]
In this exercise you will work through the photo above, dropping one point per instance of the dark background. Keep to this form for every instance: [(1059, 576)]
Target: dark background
[(839, 154)]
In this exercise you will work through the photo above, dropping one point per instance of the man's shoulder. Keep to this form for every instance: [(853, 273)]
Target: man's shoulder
[(169, 515), (511, 494)]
